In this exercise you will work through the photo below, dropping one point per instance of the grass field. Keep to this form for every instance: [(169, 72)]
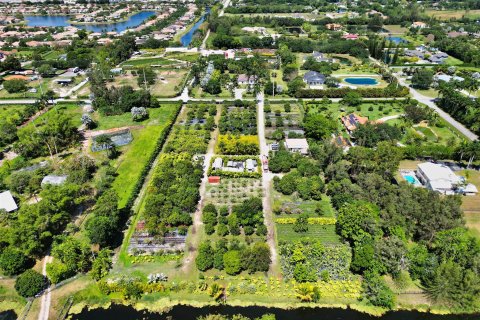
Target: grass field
[(147, 62), (326, 234), (45, 84), (373, 111), (453, 14), (135, 156), (395, 29), (169, 86), (9, 299), (125, 119)]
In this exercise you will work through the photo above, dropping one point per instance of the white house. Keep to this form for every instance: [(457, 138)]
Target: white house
[(438, 177), (297, 145), (7, 202)]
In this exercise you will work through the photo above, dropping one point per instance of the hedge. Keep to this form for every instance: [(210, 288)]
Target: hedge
[(153, 156), (320, 220), (389, 92)]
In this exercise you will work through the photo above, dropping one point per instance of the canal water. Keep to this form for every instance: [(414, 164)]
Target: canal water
[(186, 39), (182, 312), (62, 21)]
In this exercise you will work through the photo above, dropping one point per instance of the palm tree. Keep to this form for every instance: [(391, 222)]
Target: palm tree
[(304, 292)]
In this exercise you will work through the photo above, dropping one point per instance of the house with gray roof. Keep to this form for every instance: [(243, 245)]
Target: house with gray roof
[(314, 78)]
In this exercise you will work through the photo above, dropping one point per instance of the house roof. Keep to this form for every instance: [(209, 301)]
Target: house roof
[(439, 176), (296, 143), (314, 76), (7, 202)]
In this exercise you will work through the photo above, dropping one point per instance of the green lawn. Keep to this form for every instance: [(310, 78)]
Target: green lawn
[(125, 119), (373, 111), (136, 155), (428, 133), (325, 234), (147, 62)]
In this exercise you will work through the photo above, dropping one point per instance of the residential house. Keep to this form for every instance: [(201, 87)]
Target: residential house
[(438, 177), (314, 78), (243, 79), (353, 121), (297, 145), (419, 25), (333, 26)]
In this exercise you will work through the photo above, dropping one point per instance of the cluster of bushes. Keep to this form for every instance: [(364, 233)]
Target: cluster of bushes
[(192, 140), (237, 144), (309, 260), (233, 257), (52, 133), (390, 91), (173, 194), (246, 217), (308, 186), (239, 120)]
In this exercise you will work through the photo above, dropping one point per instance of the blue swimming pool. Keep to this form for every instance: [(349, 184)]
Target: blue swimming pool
[(410, 179), (397, 40), (361, 81)]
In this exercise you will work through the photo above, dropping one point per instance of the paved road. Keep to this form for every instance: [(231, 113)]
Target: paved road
[(267, 178), (429, 102), (47, 295)]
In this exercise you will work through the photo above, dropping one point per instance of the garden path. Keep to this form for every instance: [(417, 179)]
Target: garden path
[(267, 178), (192, 247)]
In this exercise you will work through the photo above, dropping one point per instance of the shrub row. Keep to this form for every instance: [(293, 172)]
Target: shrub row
[(388, 92), (317, 220)]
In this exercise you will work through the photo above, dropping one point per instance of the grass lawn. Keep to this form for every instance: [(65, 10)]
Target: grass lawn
[(326, 234), (456, 14), (395, 29), (44, 84), (72, 110), (147, 62), (135, 156), (451, 61), (170, 85), (125, 119), (373, 111), (427, 132), (189, 57), (431, 93), (9, 299)]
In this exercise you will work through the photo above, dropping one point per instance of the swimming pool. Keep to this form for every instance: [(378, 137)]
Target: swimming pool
[(361, 81), (410, 179), (397, 40)]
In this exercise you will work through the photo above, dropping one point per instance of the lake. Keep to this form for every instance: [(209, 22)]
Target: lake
[(186, 39), (62, 21), (182, 312)]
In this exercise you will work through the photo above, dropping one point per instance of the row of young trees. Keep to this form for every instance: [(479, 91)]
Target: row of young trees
[(233, 257)]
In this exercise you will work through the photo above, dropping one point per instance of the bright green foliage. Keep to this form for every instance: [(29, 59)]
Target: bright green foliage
[(376, 291), (357, 220), (204, 259), (318, 126), (101, 265), (231, 262), (13, 261), (58, 271), (29, 283)]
